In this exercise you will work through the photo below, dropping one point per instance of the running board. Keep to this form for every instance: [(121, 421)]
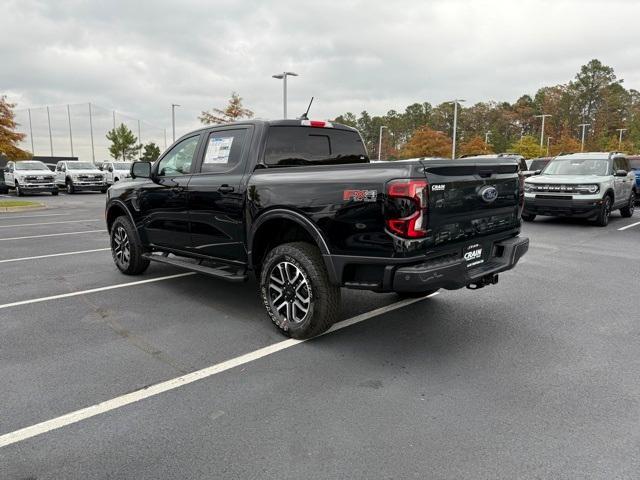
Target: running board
[(218, 270)]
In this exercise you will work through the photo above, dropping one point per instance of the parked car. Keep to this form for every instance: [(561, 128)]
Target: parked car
[(77, 176), (634, 163), (115, 171), (538, 164), (298, 203), (584, 185), (29, 176)]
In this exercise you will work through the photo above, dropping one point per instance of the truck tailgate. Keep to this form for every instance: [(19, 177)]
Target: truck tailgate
[(471, 198)]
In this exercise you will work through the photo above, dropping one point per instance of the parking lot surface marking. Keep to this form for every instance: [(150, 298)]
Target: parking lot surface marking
[(51, 235), (629, 226), (51, 223), (54, 255), (94, 290), (153, 390)]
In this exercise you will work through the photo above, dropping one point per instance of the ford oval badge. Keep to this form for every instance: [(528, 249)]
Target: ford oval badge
[(488, 194)]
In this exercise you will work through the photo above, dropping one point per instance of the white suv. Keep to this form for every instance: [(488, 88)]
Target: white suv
[(585, 185), (76, 176), (115, 171), (29, 176)]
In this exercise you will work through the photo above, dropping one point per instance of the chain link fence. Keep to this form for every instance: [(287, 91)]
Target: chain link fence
[(79, 130)]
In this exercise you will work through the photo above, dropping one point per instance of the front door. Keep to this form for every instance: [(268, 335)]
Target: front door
[(9, 175), (162, 203), (216, 195)]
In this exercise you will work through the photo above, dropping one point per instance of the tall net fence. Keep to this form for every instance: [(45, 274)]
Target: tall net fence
[(79, 130)]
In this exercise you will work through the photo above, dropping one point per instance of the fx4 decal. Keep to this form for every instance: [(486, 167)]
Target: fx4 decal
[(360, 195)]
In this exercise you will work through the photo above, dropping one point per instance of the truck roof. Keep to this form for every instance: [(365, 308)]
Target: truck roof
[(281, 123)]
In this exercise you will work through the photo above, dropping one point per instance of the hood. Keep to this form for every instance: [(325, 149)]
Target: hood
[(85, 171), (565, 179), (26, 173)]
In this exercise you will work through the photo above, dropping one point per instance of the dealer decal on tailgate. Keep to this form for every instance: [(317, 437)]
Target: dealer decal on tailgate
[(473, 255)]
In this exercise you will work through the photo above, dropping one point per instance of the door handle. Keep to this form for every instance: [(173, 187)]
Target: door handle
[(225, 188)]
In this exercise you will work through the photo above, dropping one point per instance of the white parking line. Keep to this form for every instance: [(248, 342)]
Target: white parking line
[(93, 290), (629, 226), (153, 390), (54, 255), (51, 235), (52, 223), (8, 217)]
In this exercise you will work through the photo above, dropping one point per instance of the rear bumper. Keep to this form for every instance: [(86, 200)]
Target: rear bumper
[(563, 208), (441, 268), (456, 274)]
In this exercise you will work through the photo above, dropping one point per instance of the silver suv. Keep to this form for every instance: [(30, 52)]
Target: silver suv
[(584, 185)]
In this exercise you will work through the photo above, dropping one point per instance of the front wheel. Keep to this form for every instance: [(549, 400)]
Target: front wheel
[(19, 192), (528, 217), (54, 192), (126, 249), (70, 187), (297, 292), (627, 211), (605, 212)]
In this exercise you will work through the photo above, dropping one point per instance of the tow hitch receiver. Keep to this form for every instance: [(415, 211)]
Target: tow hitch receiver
[(484, 281)]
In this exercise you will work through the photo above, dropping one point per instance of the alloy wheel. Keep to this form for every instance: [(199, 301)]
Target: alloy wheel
[(289, 292), (121, 247)]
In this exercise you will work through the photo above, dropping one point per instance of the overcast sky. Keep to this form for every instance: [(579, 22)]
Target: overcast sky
[(138, 57)]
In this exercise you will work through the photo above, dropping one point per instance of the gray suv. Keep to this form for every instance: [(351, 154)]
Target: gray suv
[(584, 185)]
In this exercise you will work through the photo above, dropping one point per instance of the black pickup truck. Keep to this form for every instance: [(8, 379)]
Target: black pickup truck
[(297, 203)]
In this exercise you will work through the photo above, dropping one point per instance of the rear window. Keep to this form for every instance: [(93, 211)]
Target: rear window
[(538, 164), (313, 146), (634, 163)]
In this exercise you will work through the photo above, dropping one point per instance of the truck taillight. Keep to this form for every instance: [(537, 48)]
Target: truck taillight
[(406, 207)]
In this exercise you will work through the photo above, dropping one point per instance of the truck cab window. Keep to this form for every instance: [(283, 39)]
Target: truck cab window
[(223, 151)]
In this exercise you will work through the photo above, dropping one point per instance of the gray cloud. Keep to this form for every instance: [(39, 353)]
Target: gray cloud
[(140, 56)]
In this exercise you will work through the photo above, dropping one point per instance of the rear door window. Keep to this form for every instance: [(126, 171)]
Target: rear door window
[(223, 151), (291, 145)]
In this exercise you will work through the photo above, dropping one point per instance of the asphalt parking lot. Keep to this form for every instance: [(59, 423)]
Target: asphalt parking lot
[(536, 377)]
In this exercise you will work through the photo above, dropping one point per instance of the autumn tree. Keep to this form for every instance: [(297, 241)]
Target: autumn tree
[(150, 153), (564, 144), (9, 137), (475, 146), (528, 147), (232, 112), (426, 142), (124, 144)]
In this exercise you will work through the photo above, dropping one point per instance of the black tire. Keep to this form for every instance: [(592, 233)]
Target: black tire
[(605, 212), (19, 192), (124, 240), (627, 211), (71, 189), (310, 288), (528, 217), (416, 294), (104, 190), (54, 192)]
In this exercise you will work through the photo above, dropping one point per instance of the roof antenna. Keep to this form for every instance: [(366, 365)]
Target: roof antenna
[(305, 114)]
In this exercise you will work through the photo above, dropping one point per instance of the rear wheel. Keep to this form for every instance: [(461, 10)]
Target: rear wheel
[(528, 217), (627, 211), (126, 249), (297, 292), (605, 212), (54, 192)]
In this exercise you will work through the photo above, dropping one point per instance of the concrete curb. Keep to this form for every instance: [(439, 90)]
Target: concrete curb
[(27, 208)]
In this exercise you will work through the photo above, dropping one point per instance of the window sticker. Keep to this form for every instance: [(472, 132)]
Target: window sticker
[(218, 150)]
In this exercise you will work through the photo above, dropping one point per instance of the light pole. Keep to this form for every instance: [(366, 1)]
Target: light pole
[(70, 131), (548, 140), (173, 120), (486, 137), (621, 130), (283, 76), (583, 126), (543, 116), (380, 141), (455, 124)]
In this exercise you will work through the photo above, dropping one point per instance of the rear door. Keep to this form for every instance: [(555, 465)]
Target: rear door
[(217, 192), (621, 185), (472, 198), (162, 203)]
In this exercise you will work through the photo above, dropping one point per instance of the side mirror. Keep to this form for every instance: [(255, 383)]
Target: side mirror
[(537, 172), (141, 170), (621, 173)]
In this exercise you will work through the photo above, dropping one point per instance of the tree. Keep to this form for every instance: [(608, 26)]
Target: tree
[(234, 111), (528, 147), (9, 137), (475, 146), (124, 144), (426, 142), (565, 144), (150, 153)]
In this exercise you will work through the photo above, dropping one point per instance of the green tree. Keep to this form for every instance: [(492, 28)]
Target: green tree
[(150, 153), (232, 112), (528, 147), (9, 137), (124, 144)]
